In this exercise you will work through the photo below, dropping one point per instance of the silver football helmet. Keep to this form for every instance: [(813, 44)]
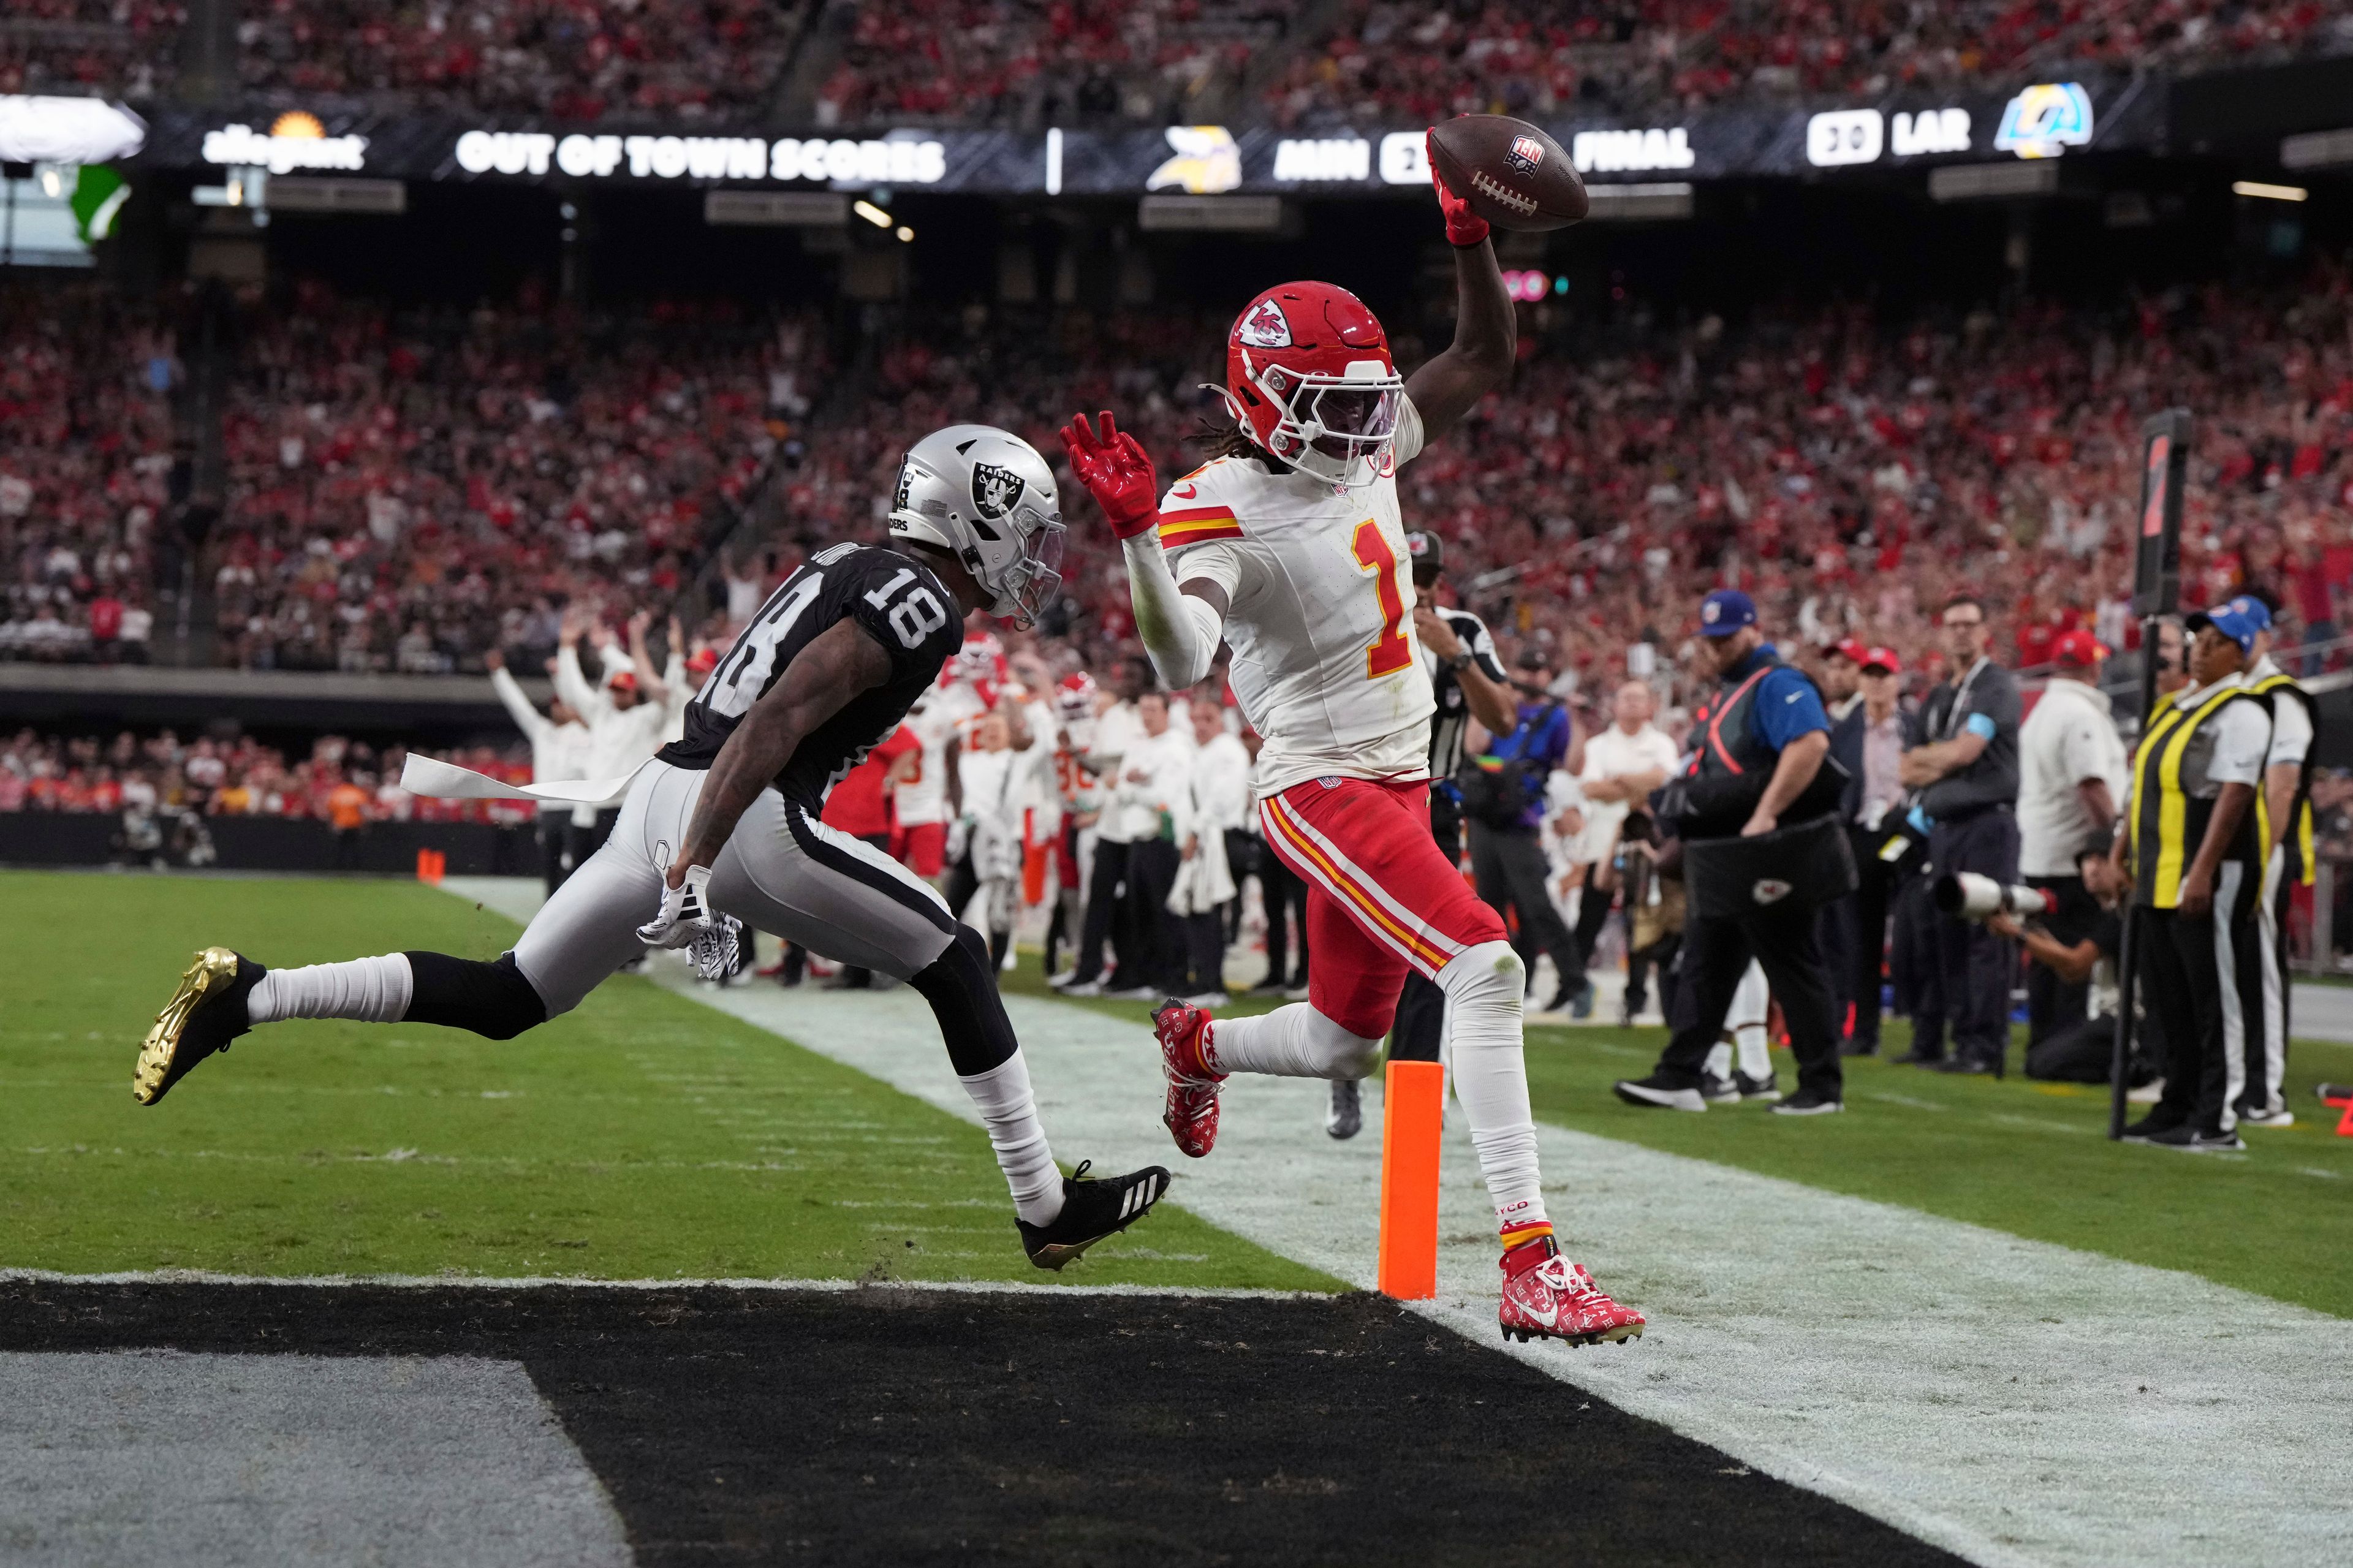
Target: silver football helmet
[(984, 495)]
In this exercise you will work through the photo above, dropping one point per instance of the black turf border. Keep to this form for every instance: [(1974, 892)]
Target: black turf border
[(906, 1426)]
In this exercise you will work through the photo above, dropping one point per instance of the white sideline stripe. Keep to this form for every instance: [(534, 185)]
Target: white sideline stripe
[(581, 1283), (1905, 1365)]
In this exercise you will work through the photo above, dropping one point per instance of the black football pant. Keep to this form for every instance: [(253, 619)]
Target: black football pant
[(1106, 919), (1511, 872), (554, 849), (1155, 957), (1973, 968), (2197, 972), (1285, 897), (1421, 1007), (1715, 954)]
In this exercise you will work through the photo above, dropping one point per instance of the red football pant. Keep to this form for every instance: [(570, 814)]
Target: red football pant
[(1381, 896), (922, 847)]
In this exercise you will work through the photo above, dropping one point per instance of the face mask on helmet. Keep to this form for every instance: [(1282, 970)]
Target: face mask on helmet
[(1337, 428)]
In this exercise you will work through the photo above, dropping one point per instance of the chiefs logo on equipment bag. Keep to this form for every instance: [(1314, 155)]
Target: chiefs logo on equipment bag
[(994, 491), (1264, 328)]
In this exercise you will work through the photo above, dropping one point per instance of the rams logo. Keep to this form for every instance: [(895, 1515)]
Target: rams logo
[(2046, 119), (1266, 327), (1525, 154), (995, 490)]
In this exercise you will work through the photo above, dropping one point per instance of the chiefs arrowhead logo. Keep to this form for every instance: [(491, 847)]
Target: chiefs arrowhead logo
[(1770, 890), (994, 489), (1265, 327)]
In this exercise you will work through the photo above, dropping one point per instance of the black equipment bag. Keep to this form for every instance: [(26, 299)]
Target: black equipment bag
[(1799, 867), (1499, 793)]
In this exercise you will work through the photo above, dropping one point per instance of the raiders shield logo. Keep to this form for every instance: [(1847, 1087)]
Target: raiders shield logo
[(1524, 154), (906, 482), (1265, 327), (994, 491)]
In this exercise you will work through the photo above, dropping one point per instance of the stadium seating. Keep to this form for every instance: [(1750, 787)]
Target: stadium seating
[(1386, 60), (407, 489)]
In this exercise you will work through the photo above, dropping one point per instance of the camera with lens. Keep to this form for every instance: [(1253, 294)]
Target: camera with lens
[(1974, 897)]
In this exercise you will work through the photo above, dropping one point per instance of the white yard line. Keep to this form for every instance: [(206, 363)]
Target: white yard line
[(2012, 1401)]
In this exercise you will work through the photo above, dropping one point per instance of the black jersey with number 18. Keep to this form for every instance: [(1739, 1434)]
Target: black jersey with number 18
[(894, 598)]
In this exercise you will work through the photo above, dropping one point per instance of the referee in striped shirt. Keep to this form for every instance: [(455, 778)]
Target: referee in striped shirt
[(1470, 683)]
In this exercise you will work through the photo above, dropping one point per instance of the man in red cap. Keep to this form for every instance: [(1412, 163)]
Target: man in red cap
[(1842, 672), (2072, 775)]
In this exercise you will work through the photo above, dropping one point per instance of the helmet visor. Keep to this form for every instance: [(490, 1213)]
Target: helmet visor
[(1041, 571)]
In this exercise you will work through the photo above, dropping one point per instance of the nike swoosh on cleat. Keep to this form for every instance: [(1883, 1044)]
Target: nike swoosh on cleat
[(1549, 1317)]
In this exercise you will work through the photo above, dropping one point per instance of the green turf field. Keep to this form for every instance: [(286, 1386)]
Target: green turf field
[(642, 1135), (2031, 1159)]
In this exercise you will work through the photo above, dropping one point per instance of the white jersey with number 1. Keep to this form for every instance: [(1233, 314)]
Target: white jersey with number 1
[(1320, 589)]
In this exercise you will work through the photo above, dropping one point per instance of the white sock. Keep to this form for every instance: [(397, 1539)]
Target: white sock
[(1002, 1093), (1485, 989), (1719, 1061), (370, 990), (1294, 1041), (1756, 1051)]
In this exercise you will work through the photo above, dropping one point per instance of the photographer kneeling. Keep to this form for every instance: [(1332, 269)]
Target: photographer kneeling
[(2081, 1052)]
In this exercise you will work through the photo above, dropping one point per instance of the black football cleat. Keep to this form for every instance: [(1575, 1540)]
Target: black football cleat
[(1092, 1210), (202, 1016)]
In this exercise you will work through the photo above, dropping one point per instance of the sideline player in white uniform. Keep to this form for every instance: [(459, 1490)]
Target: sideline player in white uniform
[(727, 823), (1290, 549)]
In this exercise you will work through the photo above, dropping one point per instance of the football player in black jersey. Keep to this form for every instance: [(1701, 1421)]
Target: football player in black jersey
[(723, 823)]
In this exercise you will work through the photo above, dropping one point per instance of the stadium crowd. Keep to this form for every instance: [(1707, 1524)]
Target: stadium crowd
[(1028, 62), (1390, 61), (1003, 62), (408, 490)]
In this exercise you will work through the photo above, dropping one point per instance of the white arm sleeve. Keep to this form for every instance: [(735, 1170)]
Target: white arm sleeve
[(1180, 630), (573, 686), (529, 720)]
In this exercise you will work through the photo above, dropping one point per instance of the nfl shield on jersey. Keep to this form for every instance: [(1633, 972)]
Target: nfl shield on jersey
[(1319, 585)]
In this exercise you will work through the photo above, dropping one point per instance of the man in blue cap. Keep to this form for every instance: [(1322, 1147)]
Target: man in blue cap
[(2196, 849), (1757, 768), (2289, 861)]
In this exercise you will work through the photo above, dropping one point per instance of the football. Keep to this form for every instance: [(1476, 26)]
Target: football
[(1513, 175)]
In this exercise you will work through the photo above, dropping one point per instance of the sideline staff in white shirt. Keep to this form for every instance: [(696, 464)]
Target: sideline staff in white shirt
[(2072, 771)]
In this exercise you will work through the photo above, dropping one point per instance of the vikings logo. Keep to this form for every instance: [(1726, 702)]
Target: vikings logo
[(1524, 154), (994, 491), (1265, 327)]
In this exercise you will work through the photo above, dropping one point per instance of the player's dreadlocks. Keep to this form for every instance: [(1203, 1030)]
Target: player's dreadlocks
[(1233, 441)]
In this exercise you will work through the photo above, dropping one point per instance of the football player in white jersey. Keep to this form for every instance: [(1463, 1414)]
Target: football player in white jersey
[(1288, 548)]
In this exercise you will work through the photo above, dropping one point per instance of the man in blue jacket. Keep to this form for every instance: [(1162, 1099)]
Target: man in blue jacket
[(1765, 735)]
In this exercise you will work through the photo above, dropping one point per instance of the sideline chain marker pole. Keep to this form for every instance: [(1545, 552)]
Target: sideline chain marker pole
[(1413, 1120)]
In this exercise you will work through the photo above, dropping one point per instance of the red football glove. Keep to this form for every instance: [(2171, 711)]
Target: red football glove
[(1116, 471), (1463, 226)]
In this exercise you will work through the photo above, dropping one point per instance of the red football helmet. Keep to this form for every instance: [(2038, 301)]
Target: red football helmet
[(1074, 697), (1308, 375)]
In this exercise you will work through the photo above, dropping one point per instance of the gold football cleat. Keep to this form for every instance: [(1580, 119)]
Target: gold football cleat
[(173, 1045)]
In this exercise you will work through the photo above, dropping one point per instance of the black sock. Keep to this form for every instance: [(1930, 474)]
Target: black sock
[(961, 986)]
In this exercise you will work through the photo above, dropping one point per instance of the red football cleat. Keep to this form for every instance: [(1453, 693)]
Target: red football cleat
[(1548, 1297), (1192, 1112)]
